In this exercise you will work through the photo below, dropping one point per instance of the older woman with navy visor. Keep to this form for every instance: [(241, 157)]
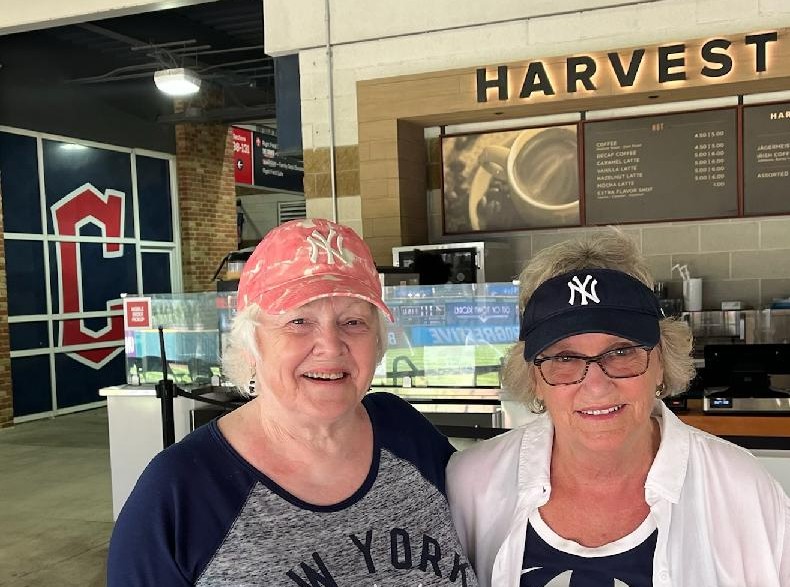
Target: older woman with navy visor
[(314, 482), (608, 487)]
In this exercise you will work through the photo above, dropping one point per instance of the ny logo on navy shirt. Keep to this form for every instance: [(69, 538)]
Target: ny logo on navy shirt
[(545, 566)]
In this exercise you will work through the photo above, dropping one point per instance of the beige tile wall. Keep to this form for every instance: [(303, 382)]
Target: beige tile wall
[(317, 178), (738, 259), (318, 185)]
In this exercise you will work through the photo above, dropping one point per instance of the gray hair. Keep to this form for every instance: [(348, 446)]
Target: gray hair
[(240, 346), (610, 249)]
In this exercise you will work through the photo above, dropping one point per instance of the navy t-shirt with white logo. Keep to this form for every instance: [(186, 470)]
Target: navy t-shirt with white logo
[(552, 561)]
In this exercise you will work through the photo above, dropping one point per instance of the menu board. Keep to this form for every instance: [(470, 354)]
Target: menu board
[(766, 159), (664, 167)]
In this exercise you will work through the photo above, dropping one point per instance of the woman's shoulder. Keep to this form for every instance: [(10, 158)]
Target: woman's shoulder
[(531, 436), (719, 449), (479, 462), (201, 462), (720, 458), (170, 464), (384, 400), (704, 445), (179, 511), (388, 410), (397, 422), (197, 470), (406, 434), (174, 459), (703, 449)]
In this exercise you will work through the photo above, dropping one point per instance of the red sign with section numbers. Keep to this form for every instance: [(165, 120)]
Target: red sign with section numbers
[(242, 155)]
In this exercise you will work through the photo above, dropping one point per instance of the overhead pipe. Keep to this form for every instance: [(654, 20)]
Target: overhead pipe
[(331, 102)]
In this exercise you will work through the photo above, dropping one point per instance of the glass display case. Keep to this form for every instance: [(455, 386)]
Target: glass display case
[(721, 327), (444, 336), (193, 325), (448, 336), (767, 326)]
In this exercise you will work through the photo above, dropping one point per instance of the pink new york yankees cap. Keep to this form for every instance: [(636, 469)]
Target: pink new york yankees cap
[(589, 300), (305, 260)]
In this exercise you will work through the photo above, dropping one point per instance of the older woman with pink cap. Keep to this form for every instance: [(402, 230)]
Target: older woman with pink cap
[(314, 482)]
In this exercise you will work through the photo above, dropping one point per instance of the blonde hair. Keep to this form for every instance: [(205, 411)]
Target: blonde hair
[(610, 249), (240, 350)]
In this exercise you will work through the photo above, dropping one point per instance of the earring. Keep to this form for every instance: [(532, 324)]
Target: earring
[(538, 406), (660, 389)]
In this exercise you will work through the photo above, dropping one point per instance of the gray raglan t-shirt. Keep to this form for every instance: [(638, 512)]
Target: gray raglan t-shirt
[(201, 515)]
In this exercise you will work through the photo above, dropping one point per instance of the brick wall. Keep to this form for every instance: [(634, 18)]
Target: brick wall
[(207, 200), (6, 397)]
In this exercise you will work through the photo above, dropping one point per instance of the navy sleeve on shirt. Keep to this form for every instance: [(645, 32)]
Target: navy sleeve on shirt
[(177, 509)]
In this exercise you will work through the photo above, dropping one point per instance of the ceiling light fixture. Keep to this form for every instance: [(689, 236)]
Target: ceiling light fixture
[(177, 82)]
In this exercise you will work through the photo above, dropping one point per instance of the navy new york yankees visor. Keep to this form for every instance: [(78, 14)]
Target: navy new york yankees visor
[(589, 300)]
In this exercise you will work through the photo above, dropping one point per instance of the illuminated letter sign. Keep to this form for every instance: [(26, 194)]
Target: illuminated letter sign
[(87, 205), (583, 71)]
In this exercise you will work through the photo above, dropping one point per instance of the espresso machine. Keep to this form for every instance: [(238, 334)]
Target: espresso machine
[(747, 379)]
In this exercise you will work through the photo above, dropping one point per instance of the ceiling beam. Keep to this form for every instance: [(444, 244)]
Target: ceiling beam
[(105, 32), (264, 112)]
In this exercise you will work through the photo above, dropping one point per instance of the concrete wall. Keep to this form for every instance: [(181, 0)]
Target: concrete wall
[(516, 33), (287, 29), (21, 15), (747, 259)]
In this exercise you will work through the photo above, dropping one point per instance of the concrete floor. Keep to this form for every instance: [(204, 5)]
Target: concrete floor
[(55, 502)]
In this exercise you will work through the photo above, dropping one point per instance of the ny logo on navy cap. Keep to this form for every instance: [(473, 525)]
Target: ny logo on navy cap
[(589, 300), (576, 286)]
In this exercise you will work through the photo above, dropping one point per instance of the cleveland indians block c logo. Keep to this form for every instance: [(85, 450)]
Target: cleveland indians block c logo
[(87, 205)]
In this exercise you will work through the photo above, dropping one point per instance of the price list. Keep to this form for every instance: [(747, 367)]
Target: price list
[(766, 159), (709, 158), (673, 166), (618, 171)]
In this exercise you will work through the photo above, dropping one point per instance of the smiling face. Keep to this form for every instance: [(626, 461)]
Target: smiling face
[(600, 413), (317, 361)]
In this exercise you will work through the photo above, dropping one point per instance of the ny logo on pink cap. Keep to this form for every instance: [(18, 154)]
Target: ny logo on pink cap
[(305, 260), (319, 242)]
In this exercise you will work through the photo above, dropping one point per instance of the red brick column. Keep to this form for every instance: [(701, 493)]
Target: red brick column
[(6, 397), (207, 200)]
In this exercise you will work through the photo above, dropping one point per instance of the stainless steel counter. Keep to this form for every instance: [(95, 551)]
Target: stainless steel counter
[(457, 411)]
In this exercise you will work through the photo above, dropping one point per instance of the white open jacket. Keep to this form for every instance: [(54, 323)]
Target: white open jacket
[(722, 520)]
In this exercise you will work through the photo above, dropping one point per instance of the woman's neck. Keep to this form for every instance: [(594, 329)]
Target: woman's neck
[(576, 465), (321, 464), (264, 423)]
